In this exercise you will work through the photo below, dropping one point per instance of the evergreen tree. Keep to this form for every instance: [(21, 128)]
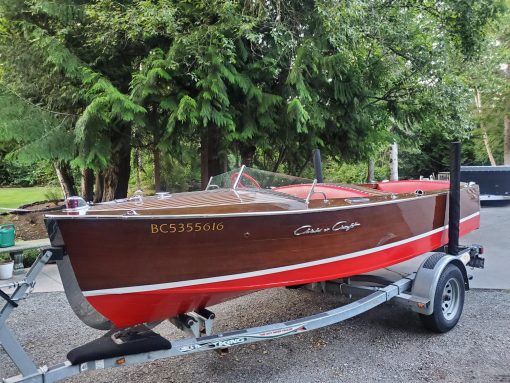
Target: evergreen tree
[(268, 80)]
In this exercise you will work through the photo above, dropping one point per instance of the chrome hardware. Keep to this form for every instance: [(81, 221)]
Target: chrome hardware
[(137, 197), (238, 177), (311, 191), (357, 200), (210, 185)]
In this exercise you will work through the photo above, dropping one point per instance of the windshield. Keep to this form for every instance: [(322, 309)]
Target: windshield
[(248, 178)]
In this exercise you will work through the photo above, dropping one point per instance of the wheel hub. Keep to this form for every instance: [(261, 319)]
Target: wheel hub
[(451, 297)]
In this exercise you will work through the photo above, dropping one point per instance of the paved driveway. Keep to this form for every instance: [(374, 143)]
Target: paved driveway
[(494, 235)]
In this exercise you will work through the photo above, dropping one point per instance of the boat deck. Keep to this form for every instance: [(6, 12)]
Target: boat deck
[(243, 200)]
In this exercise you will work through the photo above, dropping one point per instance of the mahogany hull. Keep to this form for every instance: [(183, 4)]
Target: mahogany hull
[(142, 269)]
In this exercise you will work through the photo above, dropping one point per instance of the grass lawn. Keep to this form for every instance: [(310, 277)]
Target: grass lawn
[(15, 197)]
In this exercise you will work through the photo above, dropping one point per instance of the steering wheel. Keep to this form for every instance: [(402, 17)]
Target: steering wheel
[(253, 181)]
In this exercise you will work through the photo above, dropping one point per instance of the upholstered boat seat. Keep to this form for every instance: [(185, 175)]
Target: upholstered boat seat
[(330, 191), (411, 186)]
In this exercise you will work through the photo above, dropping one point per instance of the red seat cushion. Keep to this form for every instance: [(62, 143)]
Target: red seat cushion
[(410, 186), (331, 191)]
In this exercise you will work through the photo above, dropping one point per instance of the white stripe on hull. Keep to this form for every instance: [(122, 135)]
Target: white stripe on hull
[(223, 278)]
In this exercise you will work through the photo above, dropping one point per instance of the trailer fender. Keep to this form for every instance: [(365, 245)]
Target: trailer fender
[(427, 277)]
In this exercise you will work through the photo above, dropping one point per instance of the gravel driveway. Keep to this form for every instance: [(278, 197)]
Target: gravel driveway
[(386, 344)]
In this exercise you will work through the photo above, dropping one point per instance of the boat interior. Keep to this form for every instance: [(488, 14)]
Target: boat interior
[(409, 186)]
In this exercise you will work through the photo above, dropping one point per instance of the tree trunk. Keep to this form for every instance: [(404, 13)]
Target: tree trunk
[(394, 162), (99, 187), (124, 167), (157, 169), (110, 182), (116, 176), (281, 156), (156, 152), (478, 104), (247, 154), (506, 128), (87, 184), (371, 171), (65, 178), (506, 141), (213, 160), (487, 146), (204, 159), (138, 169)]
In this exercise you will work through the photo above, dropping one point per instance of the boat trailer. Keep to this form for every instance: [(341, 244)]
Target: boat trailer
[(435, 291)]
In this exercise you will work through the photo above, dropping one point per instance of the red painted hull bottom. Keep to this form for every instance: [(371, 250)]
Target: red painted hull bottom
[(129, 309)]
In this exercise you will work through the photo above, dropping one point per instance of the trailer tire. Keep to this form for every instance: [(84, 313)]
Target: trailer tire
[(448, 301)]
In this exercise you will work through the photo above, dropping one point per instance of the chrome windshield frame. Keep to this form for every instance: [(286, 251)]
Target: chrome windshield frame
[(238, 177), (307, 201)]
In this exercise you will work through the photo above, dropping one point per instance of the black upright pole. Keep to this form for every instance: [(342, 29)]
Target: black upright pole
[(454, 205), (317, 164)]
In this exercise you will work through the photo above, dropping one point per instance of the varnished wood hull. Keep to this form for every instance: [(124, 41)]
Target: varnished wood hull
[(141, 269)]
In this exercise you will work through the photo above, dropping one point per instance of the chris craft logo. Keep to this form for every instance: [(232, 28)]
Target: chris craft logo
[(339, 226)]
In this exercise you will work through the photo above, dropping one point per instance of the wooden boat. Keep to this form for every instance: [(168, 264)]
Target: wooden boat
[(146, 259)]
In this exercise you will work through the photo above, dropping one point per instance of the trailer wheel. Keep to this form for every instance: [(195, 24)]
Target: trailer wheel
[(448, 301)]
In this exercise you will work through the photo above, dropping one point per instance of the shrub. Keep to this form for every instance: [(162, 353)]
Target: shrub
[(53, 194), (352, 173), (29, 257), (5, 258)]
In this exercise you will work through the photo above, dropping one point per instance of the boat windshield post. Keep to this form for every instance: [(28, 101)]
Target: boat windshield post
[(209, 183), (311, 192), (238, 177)]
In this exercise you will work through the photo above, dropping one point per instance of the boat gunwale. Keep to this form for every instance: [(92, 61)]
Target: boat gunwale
[(308, 210)]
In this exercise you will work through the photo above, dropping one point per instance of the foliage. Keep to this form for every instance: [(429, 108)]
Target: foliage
[(53, 194), (491, 77), (428, 153), (181, 172), (5, 258), (89, 80), (30, 256), (14, 173), (37, 135), (354, 172)]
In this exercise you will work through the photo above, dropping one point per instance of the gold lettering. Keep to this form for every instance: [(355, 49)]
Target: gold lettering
[(166, 228)]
